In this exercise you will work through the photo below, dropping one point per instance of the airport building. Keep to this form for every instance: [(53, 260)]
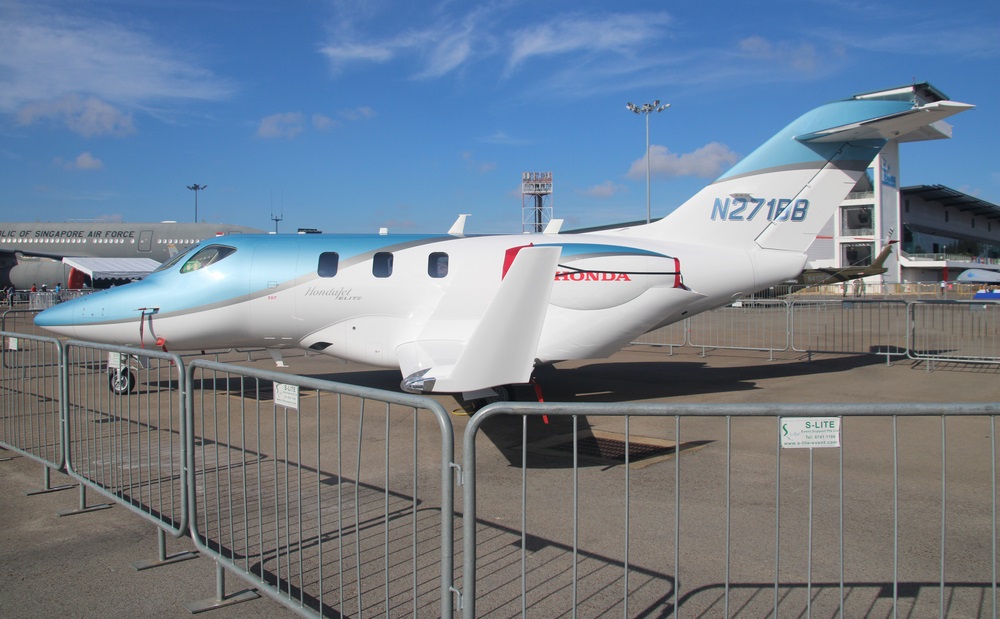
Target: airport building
[(939, 231)]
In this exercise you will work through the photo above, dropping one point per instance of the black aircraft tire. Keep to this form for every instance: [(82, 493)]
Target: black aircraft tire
[(504, 393), (121, 382)]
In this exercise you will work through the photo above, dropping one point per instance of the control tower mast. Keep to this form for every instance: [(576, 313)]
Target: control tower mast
[(536, 201)]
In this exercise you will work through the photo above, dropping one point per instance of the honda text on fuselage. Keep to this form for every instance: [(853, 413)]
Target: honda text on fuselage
[(468, 314)]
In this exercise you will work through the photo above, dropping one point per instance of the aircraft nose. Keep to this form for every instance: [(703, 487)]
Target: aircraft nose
[(58, 319)]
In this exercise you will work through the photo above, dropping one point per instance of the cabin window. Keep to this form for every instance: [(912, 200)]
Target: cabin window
[(328, 262), (382, 264), (437, 264), (206, 256)]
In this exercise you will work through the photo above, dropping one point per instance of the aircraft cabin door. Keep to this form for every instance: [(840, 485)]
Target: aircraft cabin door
[(145, 241), (272, 305)]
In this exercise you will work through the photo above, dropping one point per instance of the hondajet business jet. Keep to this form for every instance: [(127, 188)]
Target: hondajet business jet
[(473, 314)]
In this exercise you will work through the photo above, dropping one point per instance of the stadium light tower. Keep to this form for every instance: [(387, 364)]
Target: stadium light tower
[(646, 109), (196, 188)]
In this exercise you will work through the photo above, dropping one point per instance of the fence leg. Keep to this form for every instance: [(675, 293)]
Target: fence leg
[(220, 600), (163, 559), (83, 509), (47, 484)]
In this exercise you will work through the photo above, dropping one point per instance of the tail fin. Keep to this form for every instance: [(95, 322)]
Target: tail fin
[(782, 194), (880, 259)]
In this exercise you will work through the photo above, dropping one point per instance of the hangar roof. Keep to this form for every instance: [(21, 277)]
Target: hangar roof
[(114, 268), (955, 199)]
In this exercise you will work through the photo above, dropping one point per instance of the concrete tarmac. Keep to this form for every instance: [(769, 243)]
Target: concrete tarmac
[(80, 565)]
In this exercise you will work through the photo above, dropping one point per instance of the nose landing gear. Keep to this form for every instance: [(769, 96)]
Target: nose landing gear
[(121, 381)]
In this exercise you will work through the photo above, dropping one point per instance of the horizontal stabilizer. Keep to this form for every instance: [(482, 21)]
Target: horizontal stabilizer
[(503, 346), (888, 127)]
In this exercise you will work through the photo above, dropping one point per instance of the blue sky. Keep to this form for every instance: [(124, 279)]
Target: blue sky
[(353, 115)]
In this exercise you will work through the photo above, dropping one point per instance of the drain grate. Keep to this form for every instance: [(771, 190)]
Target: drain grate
[(614, 449)]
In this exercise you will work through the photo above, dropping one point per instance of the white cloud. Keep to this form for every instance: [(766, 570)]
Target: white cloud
[(436, 41), (501, 137), (342, 54), (615, 33), (482, 167), (84, 161), (358, 113), (321, 122), (607, 189), (285, 125), (87, 116), (447, 55), (801, 57), (57, 65), (442, 43), (709, 161)]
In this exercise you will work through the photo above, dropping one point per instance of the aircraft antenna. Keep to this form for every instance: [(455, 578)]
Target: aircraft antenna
[(278, 218), (536, 201)]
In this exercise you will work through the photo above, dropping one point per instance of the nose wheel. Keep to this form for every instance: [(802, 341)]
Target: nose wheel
[(121, 382)]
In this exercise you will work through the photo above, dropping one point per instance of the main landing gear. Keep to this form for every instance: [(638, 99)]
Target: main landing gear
[(471, 402)]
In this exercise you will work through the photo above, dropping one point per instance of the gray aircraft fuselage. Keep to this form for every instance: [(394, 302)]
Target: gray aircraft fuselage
[(32, 253)]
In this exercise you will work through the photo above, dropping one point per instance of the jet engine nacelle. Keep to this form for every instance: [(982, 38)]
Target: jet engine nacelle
[(39, 271)]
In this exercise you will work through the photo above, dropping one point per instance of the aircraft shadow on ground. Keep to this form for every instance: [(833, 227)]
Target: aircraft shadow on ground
[(646, 380), (633, 381)]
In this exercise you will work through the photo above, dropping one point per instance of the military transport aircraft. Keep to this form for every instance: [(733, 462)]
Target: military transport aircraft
[(471, 315), (32, 253), (836, 275)]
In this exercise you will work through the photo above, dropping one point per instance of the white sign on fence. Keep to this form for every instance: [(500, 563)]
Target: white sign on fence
[(809, 432), (286, 395)]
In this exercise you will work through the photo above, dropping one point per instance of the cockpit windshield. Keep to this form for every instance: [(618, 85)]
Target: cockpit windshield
[(173, 260), (207, 256)]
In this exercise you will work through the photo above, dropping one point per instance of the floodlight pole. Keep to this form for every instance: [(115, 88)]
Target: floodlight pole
[(646, 109), (196, 188)]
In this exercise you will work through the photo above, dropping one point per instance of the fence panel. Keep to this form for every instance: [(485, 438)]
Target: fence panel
[(899, 519), (674, 335), (125, 428), (30, 397), (333, 499), (748, 324), (967, 332), (850, 326)]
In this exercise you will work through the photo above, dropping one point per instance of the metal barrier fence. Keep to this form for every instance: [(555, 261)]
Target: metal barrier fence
[(338, 500), (966, 332), (12, 320), (125, 429), (749, 324), (955, 331), (872, 527), (856, 326), (30, 406), (287, 492)]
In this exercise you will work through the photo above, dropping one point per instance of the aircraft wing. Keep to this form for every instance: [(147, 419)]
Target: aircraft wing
[(501, 349), (891, 126)]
